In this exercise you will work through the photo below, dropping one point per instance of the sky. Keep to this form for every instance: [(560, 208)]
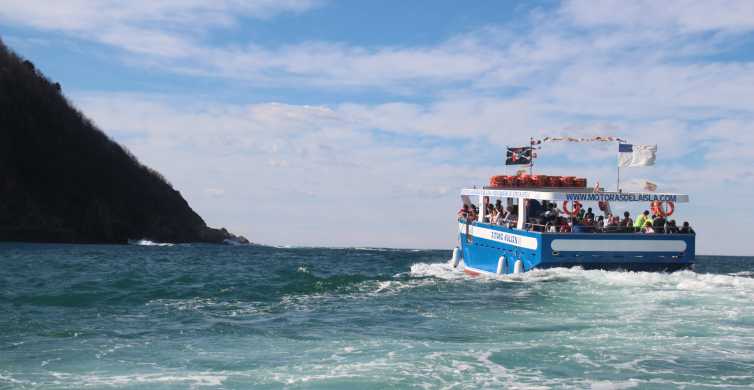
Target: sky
[(354, 123)]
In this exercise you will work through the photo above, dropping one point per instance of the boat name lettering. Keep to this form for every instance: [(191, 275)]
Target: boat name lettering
[(599, 197), (509, 238)]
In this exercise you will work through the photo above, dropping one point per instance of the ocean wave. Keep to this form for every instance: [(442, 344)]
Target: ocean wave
[(144, 242)]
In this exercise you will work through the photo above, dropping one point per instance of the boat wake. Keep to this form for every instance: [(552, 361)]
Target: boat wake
[(683, 280)]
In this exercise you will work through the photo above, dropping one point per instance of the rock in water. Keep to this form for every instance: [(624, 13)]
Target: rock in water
[(64, 180)]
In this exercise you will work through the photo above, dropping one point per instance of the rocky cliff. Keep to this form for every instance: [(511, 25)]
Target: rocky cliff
[(64, 180)]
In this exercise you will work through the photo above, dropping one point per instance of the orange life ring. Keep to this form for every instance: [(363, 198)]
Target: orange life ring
[(658, 209), (576, 208)]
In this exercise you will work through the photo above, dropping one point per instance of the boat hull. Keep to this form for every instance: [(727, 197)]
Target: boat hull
[(483, 246)]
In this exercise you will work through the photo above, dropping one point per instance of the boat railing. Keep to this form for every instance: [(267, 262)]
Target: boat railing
[(584, 229), (587, 229)]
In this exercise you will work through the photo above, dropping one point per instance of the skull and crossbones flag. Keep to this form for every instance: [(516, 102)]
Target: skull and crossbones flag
[(519, 156)]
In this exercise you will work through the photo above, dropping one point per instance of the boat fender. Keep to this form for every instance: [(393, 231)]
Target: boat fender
[(518, 267), (658, 208), (500, 264), (456, 257), (576, 208)]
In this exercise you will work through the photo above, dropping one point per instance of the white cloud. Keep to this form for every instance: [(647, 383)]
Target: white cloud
[(88, 16), (169, 34), (163, 28), (684, 15)]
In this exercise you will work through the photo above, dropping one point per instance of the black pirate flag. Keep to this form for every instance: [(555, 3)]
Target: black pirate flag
[(519, 156)]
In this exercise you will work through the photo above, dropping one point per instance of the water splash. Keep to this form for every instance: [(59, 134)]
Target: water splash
[(144, 242)]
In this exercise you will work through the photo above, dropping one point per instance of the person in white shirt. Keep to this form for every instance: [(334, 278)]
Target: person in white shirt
[(500, 216), (492, 214)]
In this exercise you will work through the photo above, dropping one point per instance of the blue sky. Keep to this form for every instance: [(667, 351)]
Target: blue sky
[(306, 122)]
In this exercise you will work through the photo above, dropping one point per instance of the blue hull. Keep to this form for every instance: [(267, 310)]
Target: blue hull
[(482, 246)]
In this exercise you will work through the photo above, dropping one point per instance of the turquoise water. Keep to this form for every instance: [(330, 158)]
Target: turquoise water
[(200, 316)]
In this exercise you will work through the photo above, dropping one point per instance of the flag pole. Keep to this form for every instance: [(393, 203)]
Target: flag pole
[(617, 185), (531, 155)]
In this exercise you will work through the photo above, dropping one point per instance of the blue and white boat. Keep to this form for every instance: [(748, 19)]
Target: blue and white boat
[(492, 249)]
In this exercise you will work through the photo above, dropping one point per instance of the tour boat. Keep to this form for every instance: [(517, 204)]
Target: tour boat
[(494, 249)]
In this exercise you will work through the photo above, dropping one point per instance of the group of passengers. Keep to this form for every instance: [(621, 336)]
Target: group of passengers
[(546, 217), (585, 222), (495, 214)]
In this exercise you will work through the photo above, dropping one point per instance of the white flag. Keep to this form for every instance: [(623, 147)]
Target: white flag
[(636, 155)]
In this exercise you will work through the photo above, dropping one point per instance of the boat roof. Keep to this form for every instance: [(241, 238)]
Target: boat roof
[(586, 194)]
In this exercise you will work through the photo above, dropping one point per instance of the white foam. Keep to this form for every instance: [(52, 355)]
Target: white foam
[(9, 379), (611, 385), (144, 242), (396, 286), (437, 270), (208, 305), (194, 379), (681, 280)]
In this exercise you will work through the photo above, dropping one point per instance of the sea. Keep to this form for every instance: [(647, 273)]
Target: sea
[(151, 316)]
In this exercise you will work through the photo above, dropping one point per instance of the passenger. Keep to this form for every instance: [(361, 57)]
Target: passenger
[(612, 224), (648, 228), (627, 223), (463, 213), (606, 228), (641, 220), (488, 209), (566, 227), (474, 213), (686, 229), (498, 204), (616, 223), (551, 227), (550, 215), (600, 224), (556, 211), (534, 208), (589, 214), (658, 224), (671, 227), (510, 217), (499, 215)]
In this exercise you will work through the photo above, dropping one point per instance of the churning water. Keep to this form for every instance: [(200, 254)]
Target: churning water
[(202, 316)]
